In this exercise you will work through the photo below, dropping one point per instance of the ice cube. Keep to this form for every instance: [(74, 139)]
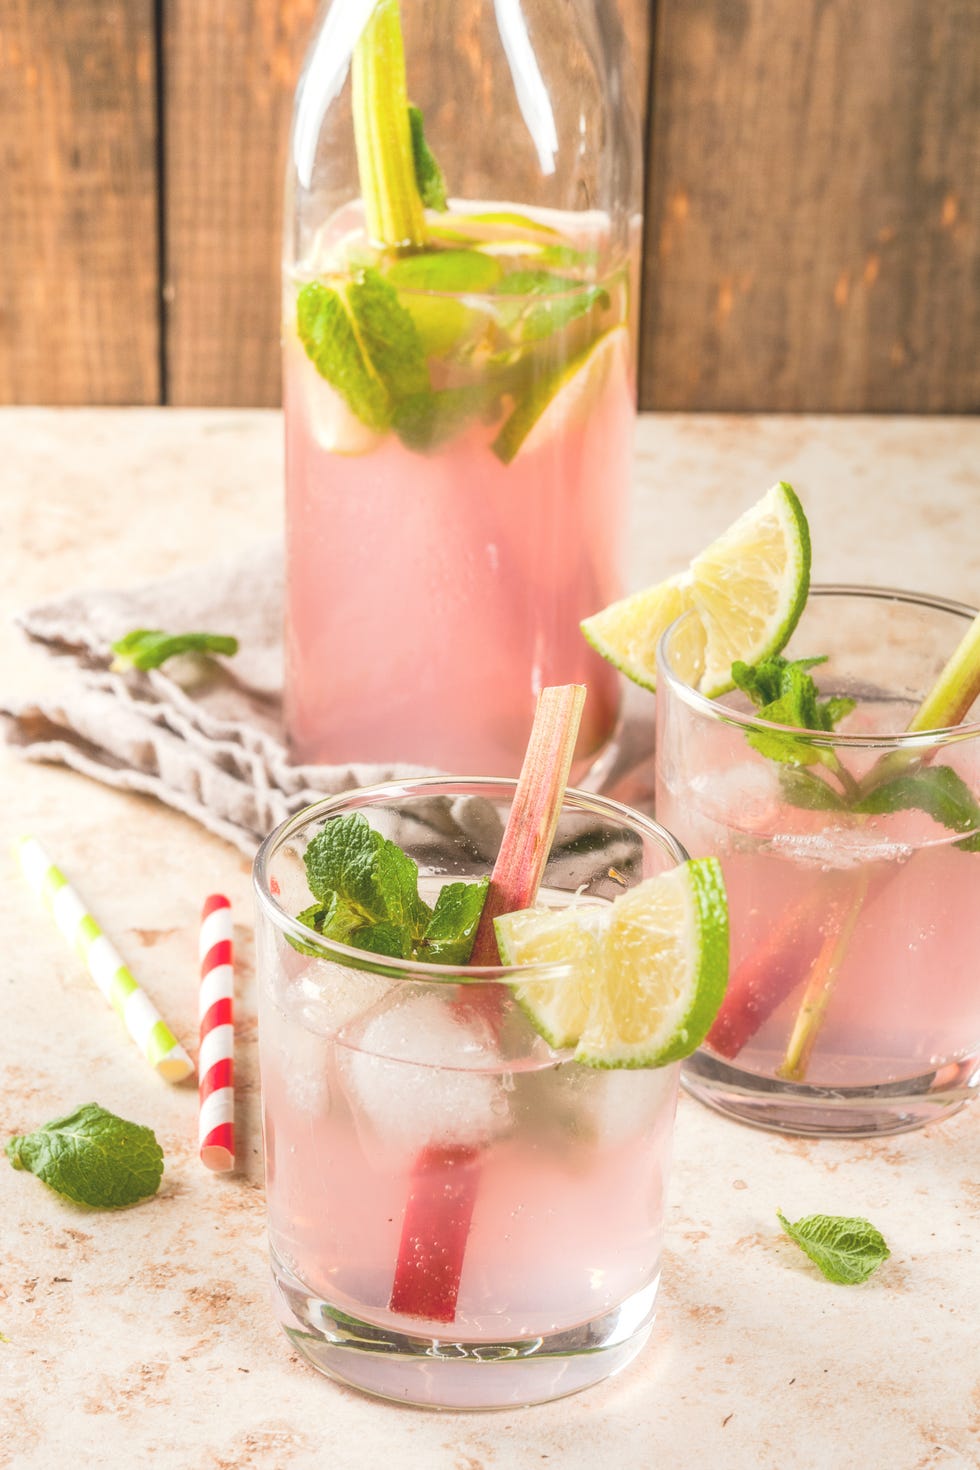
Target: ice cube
[(605, 1107), (420, 1071), (311, 1008), (333, 425), (744, 797)]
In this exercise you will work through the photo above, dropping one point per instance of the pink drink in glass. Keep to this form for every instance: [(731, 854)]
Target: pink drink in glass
[(431, 593), (870, 921), (544, 1179)]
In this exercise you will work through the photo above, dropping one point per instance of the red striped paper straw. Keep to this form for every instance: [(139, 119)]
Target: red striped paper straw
[(216, 1063)]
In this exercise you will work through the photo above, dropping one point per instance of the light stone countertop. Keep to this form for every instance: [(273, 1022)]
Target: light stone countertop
[(145, 1337)]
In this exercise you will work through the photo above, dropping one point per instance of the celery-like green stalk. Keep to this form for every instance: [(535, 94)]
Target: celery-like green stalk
[(820, 986), (382, 133), (949, 700)]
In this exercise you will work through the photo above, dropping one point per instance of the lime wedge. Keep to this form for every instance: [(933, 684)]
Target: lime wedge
[(748, 590), (648, 972), (564, 397)]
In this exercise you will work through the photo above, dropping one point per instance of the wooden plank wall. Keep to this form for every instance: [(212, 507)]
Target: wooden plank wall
[(813, 213), (813, 239), (79, 279)]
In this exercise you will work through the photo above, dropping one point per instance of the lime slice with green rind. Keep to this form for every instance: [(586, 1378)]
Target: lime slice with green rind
[(563, 397), (747, 590), (647, 972)]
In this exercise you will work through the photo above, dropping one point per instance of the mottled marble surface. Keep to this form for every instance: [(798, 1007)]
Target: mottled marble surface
[(145, 1337)]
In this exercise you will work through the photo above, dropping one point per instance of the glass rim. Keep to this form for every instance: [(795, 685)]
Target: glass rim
[(829, 740), (375, 794)]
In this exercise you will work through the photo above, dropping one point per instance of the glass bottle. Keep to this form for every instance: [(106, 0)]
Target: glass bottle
[(460, 284)]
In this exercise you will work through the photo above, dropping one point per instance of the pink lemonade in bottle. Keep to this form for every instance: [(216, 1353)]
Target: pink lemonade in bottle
[(458, 383), (438, 568)]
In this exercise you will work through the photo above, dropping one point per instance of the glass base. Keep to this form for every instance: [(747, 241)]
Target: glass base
[(830, 1112), (443, 1374)]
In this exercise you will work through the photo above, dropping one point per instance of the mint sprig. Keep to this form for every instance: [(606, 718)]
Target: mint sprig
[(366, 891), (786, 694), (937, 790), (148, 648), (92, 1157), (846, 1249)]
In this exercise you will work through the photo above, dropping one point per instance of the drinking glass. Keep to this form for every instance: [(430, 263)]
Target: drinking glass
[(459, 1215), (854, 996)]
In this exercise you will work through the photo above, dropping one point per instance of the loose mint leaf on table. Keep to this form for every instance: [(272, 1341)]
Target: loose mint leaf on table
[(937, 790), (846, 1249), (367, 892), (93, 1158), (428, 175), (148, 648), (449, 937)]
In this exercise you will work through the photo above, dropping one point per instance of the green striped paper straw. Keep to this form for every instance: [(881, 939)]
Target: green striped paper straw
[(137, 1012)]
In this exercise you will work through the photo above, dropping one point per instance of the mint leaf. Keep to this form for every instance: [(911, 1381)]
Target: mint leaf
[(367, 896), (449, 937), (92, 1157), (428, 174), (763, 682), (388, 335), (786, 694), (555, 301), (363, 341), (846, 1250), (368, 888), (803, 789), (937, 790), (349, 861), (535, 282), (148, 648), (326, 330)]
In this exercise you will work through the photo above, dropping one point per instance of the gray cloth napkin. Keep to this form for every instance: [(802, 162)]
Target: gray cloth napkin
[(204, 735)]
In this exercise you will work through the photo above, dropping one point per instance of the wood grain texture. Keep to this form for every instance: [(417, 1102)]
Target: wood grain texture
[(79, 312), (230, 68), (813, 221)]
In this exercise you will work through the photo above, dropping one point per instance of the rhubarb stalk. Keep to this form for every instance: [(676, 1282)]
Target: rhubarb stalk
[(382, 133), (766, 977), (445, 1181)]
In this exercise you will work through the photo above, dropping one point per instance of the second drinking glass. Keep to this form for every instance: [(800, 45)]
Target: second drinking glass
[(852, 863)]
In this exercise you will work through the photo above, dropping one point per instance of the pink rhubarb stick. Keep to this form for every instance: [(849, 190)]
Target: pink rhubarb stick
[(445, 1181)]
